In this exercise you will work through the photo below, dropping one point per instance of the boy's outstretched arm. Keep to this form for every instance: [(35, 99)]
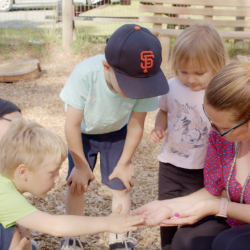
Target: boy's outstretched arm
[(71, 225), (161, 124), (124, 171), (81, 173)]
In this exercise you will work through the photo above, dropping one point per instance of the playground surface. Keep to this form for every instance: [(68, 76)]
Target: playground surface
[(39, 101)]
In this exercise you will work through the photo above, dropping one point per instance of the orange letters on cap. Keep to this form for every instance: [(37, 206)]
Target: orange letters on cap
[(146, 57), (137, 28)]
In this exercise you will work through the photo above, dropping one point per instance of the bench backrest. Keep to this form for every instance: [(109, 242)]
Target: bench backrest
[(202, 11)]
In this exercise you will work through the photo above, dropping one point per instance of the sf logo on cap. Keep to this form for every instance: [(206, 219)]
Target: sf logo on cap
[(146, 57)]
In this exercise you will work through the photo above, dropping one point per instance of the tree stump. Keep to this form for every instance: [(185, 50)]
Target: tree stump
[(21, 69)]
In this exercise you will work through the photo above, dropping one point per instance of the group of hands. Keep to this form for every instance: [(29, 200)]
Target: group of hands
[(150, 215)]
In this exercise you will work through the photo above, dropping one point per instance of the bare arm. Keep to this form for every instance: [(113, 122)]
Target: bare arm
[(161, 124), (161, 120), (73, 136), (81, 174), (124, 171), (71, 225), (134, 134)]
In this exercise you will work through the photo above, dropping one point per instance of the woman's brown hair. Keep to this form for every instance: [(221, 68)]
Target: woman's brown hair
[(229, 89)]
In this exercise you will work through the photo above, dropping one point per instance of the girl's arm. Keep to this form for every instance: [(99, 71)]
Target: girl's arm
[(161, 124), (161, 120)]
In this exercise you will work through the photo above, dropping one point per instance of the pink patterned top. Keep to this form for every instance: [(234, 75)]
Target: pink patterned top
[(220, 155)]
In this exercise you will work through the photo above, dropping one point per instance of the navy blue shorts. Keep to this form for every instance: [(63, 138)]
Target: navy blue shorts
[(110, 147), (6, 236)]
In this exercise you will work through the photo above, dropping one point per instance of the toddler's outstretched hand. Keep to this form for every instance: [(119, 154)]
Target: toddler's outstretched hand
[(156, 135), (121, 223)]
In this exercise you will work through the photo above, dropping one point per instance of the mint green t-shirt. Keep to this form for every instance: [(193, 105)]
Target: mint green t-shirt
[(13, 205), (103, 110)]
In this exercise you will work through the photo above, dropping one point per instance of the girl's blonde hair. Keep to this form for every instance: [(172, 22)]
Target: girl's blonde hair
[(229, 90), (202, 43), (27, 142)]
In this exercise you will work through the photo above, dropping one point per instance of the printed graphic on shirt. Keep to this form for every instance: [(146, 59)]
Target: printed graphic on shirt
[(193, 132)]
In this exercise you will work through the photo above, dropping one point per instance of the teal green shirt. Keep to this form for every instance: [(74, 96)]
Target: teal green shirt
[(13, 205), (103, 110)]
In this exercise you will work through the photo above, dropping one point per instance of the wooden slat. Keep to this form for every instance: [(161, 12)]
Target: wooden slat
[(182, 21), (193, 11), (223, 34), (104, 19), (226, 3)]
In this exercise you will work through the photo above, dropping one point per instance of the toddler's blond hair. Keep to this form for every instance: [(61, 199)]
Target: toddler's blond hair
[(27, 142), (202, 43)]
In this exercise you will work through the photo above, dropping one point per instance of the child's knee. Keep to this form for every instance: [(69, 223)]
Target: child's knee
[(120, 193)]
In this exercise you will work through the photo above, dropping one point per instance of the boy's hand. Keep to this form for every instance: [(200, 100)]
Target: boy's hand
[(23, 242), (79, 179), (121, 223), (125, 173), (156, 135), (155, 212)]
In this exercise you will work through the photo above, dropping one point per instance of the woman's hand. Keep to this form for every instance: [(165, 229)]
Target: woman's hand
[(193, 214), (155, 212)]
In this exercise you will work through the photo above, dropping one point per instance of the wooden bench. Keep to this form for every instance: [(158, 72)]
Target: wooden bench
[(198, 11)]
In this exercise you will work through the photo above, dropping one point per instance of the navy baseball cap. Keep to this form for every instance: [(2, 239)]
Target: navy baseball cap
[(135, 55)]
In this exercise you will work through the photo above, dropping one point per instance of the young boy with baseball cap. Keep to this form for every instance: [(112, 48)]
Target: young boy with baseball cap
[(107, 99)]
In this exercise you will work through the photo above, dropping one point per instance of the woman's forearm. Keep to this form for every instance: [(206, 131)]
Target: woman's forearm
[(189, 200), (239, 211)]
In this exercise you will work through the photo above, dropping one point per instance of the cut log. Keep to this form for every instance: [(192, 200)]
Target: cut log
[(21, 69)]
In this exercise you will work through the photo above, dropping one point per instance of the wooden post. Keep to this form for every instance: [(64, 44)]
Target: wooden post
[(208, 16), (239, 43), (67, 31)]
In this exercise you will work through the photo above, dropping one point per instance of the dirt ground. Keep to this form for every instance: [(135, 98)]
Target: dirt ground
[(39, 101)]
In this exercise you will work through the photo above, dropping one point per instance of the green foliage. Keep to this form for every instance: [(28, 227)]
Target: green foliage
[(29, 40)]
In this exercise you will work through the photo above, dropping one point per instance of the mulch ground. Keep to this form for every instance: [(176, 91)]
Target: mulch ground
[(39, 101)]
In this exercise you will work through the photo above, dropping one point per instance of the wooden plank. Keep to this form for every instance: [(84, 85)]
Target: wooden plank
[(182, 21), (223, 34), (193, 11), (105, 19), (226, 3)]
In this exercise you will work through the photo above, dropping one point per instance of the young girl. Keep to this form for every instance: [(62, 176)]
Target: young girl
[(197, 55)]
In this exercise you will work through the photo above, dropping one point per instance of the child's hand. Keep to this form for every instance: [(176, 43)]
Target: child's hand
[(125, 173), (121, 223), (23, 242), (156, 135), (79, 179)]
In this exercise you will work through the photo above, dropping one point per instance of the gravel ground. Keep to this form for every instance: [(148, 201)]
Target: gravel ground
[(39, 100)]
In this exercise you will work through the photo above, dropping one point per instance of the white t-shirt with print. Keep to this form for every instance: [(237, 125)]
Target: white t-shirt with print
[(103, 110), (185, 144)]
